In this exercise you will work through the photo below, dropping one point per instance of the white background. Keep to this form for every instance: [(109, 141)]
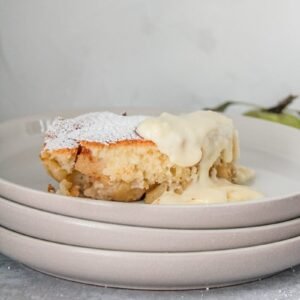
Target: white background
[(62, 54)]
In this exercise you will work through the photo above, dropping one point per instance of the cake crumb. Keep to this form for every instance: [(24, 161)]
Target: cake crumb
[(51, 189)]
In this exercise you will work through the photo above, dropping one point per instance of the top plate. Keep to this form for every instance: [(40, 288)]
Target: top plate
[(271, 149)]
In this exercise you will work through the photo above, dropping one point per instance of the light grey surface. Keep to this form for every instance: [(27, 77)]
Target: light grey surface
[(20, 283)]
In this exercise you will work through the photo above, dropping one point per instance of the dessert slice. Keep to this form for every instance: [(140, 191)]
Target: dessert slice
[(107, 156)]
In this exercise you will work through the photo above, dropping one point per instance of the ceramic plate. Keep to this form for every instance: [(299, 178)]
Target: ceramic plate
[(78, 232), (146, 270), (271, 149)]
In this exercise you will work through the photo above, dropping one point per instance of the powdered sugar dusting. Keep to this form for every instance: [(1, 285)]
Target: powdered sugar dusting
[(102, 127)]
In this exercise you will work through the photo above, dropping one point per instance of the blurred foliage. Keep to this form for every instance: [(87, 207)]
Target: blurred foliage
[(279, 113)]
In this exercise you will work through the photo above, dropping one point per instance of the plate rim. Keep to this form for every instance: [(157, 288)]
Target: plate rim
[(279, 223), (145, 253), (113, 204), (239, 237), (156, 263)]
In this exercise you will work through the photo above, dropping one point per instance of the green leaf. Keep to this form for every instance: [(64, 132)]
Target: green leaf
[(282, 118)]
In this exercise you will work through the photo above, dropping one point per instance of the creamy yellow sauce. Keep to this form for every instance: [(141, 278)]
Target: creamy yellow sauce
[(201, 137)]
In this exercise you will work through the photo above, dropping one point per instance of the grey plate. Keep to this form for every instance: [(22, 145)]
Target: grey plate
[(271, 149), (146, 270), (78, 232)]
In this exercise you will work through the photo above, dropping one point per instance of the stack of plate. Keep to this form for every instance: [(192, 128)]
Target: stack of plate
[(147, 246)]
